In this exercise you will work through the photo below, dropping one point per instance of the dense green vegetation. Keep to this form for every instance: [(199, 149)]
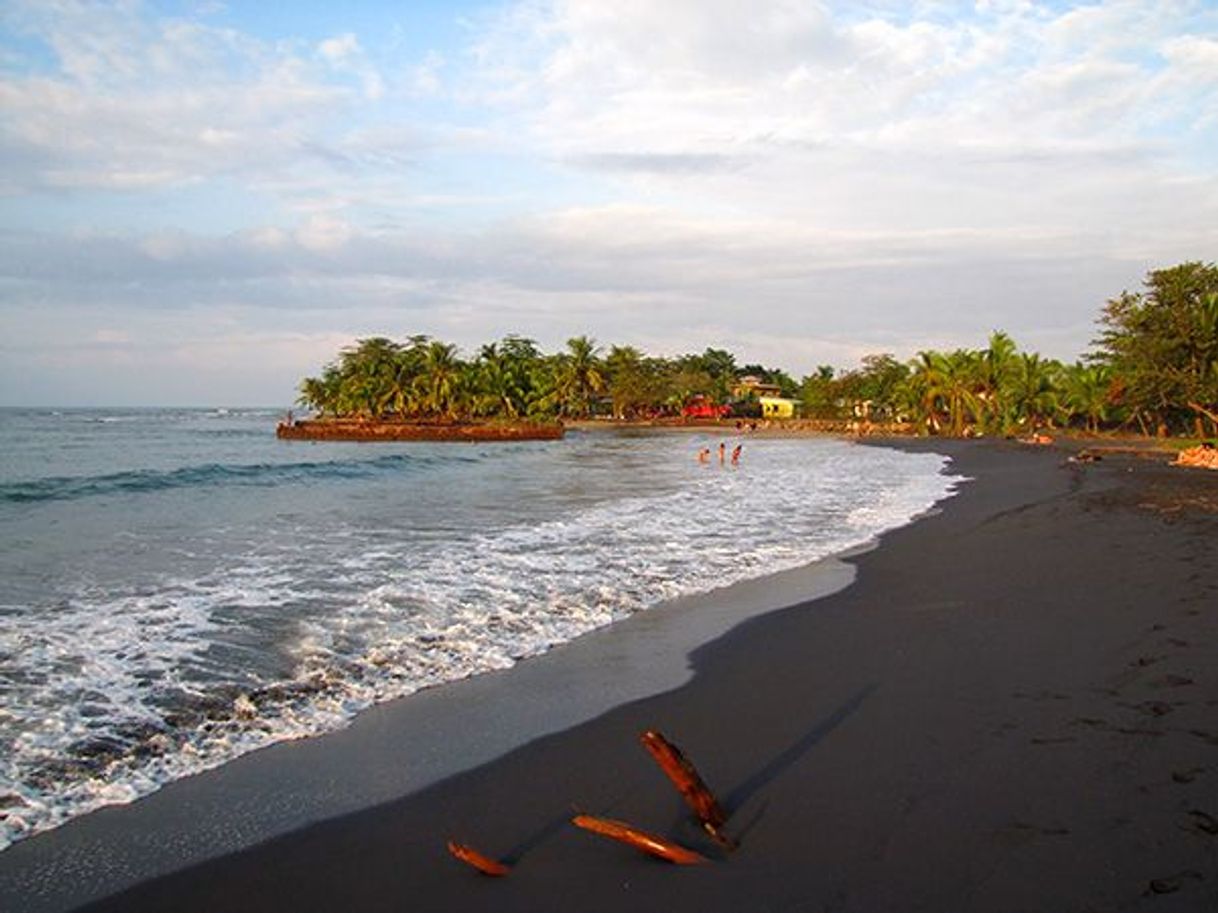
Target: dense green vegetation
[(1154, 367), (424, 378)]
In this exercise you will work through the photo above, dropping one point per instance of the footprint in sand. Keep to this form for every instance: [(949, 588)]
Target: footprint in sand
[(1172, 681), (1106, 726), (1151, 708), (1203, 822), (1173, 883), (1187, 776), (1090, 721)]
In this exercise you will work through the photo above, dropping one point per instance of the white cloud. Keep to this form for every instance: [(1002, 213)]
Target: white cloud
[(426, 78), (142, 103), (340, 48), (711, 78), (323, 234), (345, 55)]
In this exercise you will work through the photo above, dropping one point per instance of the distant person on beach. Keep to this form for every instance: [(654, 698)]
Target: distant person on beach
[(704, 455), (736, 454)]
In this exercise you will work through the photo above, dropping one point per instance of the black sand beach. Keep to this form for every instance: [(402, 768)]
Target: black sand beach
[(1013, 708)]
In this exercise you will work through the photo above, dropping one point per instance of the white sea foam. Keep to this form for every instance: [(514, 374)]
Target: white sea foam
[(114, 693)]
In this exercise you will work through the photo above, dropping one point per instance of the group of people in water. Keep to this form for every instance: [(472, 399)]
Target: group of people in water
[(704, 454)]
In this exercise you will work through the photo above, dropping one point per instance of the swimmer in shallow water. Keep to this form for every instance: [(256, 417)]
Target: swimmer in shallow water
[(704, 455), (736, 454)]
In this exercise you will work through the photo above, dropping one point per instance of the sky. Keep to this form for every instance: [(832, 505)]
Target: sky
[(202, 202)]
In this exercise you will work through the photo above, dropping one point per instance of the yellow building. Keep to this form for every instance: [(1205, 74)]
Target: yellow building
[(776, 407)]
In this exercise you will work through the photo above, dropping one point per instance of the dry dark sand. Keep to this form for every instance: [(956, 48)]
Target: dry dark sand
[(1013, 708)]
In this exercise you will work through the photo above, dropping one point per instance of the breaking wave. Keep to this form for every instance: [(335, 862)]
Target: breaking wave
[(66, 488)]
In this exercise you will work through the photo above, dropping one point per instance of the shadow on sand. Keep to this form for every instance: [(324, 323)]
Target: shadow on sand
[(774, 768)]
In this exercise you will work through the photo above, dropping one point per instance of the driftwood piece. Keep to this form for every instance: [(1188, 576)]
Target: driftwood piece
[(472, 857), (1208, 413), (684, 776), (640, 840)]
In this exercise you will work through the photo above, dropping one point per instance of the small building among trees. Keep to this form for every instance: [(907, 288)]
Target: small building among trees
[(777, 407)]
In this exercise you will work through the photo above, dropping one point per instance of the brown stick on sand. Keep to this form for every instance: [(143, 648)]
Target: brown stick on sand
[(686, 779), (483, 864), (640, 840)]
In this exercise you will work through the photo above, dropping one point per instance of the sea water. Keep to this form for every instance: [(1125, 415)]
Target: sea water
[(178, 587)]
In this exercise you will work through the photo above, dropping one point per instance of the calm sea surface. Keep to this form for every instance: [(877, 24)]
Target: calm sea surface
[(178, 587)]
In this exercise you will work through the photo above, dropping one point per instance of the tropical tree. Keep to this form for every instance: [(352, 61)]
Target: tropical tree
[(1086, 393), (871, 390), (367, 369), (686, 382), (502, 385), (400, 389), (997, 371), (945, 386), (1162, 345), (1033, 391), (630, 378), (578, 377), (317, 395), (719, 365), (439, 385), (818, 393)]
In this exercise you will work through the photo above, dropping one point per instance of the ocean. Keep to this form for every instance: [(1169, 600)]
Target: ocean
[(179, 587)]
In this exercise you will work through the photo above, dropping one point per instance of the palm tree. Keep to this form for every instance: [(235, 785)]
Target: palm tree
[(1086, 393), (368, 369), (504, 381), (578, 377), (494, 383), (315, 395), (1034, 394), (997, 371), (919, 394), (945, 386), (438, 385)]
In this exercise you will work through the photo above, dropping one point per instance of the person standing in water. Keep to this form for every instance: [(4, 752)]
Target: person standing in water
[(704, 455), (736, 454), (722, 452)]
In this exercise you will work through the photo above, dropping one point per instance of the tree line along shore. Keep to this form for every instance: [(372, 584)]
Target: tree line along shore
[(1153, 369)]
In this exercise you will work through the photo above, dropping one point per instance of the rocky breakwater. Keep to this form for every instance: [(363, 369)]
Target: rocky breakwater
[(363, 430)]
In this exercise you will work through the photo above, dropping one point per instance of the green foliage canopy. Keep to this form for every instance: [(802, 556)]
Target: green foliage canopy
[(1162, 346), (1155, 365)]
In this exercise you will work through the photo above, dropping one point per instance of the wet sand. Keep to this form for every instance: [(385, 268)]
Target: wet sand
[(1014, 707)]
